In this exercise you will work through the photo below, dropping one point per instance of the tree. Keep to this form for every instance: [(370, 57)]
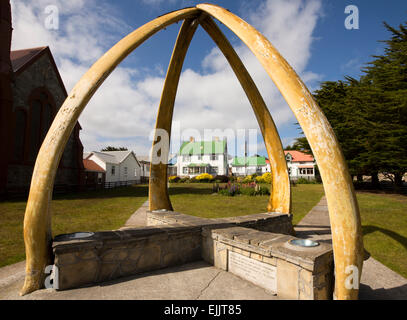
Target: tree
[(300, 144), (369, 115), (110, 148), (387, 74)]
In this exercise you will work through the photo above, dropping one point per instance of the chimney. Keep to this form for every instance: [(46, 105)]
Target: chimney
[(191, 139)]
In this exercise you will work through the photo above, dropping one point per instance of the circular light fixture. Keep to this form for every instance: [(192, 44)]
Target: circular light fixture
[(74, 236), (304, 243)]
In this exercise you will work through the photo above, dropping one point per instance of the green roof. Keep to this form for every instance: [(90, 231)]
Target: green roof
[(203, 147), (250, 161)]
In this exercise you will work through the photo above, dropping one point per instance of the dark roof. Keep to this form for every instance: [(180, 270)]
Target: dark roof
[(20, 58)]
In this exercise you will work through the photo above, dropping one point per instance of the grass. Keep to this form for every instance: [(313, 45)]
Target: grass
[(384, 225), (88, 211), (384, 217), (196, 199)]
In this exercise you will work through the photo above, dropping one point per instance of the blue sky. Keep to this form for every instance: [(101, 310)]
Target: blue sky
[(310, 34)]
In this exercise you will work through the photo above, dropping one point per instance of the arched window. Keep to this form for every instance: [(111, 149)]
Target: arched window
[(35, 126), (41, 114)]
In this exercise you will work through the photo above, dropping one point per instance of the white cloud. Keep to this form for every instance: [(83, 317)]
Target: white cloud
[(123, 111)]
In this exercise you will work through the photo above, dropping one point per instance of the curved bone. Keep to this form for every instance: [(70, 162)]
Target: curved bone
[(280, 198), (342, 204), (37, 219), (343, 210), (158, 188)]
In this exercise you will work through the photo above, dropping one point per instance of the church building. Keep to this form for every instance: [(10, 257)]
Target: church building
[(31, 93)]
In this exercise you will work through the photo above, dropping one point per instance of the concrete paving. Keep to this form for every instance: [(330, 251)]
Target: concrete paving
[(192, 281), (378, 282), (201, 281)]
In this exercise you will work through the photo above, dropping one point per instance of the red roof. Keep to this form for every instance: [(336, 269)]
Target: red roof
[(91, 165), (299, 156)]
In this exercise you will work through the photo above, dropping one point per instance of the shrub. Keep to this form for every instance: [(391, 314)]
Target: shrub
[(233, 190), (174, 179), (223, 192), (221, 178), (248, 191), (267, 177), (184, 180), (229, 190), (305, 181), (248, 179), (204, 177), (263, 191)]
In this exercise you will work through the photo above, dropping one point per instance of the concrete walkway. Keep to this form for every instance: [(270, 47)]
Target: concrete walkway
[(192, 281), (378, 282)]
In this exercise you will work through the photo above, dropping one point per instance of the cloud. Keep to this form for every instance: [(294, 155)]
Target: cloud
[(123, 110)]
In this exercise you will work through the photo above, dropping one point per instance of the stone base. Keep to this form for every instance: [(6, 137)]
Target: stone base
[(289, 271), (233, 244)]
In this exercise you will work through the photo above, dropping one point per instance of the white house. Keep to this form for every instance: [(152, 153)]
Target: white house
[(145, 167), (243, 166), (196, 157), (122, 167), (300, 165)]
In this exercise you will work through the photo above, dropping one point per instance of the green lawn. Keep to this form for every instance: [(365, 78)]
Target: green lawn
[(88, 211), (197, 199), (384, 225), (384, 217)]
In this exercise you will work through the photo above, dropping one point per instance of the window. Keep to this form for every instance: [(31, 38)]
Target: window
[(307, 171), (113, 170), (186, 158), (35, 127), (215, 169), (199, 156), (214, 156), (185, 170)]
